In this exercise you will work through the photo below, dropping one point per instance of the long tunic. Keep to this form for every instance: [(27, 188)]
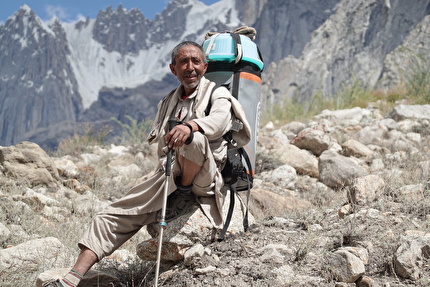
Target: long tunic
[(208, 150)]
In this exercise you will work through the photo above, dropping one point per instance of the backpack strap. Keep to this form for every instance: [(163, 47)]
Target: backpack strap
[(234, 158), (232, 155)]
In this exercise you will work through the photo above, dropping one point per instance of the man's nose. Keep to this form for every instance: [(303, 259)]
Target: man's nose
[(190, 65)]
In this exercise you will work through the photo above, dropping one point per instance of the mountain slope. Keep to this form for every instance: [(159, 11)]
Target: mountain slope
[(351, 45), (38, 86)]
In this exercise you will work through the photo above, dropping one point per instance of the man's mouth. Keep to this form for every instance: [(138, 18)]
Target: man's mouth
[(191, 76)]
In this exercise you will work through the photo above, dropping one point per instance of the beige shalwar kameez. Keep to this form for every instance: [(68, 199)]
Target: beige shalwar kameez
[(139, 207)]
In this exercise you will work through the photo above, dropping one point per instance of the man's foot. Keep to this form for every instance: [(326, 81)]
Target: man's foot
[(53, 283)]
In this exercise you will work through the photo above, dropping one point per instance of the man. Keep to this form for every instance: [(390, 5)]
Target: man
[(200, 154)]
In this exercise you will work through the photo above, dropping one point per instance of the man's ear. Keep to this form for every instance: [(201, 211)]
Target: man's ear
[(172, 69), (206, 67)]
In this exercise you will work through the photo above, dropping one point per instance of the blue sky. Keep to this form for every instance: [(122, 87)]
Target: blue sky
[(71, 10)]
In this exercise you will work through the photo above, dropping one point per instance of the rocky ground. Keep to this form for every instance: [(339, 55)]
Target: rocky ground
[(342, 200)]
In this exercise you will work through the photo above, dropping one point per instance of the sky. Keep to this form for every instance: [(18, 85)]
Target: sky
[(72, 10)]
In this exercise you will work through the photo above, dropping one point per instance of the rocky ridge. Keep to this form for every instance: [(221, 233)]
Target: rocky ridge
[(341, 200), (371, 42)]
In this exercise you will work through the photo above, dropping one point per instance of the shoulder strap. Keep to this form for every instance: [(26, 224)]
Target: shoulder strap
[(209, 106)]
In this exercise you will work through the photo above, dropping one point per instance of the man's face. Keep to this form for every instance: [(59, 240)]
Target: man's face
[(189, 67)]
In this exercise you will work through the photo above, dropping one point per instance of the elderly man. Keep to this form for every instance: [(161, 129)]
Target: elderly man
[(199, 155)]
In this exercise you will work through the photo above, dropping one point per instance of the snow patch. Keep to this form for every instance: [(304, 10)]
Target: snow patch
[(39, 90), (94, 67)]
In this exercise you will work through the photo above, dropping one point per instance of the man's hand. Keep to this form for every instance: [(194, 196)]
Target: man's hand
[(178, 136)]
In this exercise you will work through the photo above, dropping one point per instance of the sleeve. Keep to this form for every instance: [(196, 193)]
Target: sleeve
[(218, 122)]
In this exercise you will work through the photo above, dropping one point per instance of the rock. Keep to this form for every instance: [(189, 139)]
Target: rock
[(91, 278), (360, 252), (194, 252), (411, 255), (274, 203), (294, 127), (424, 171), (117, 150), (56, 213), (76, 185), (88, 203), (337, 171), (208, 269), (269, 126), (48, 252), (120, 259), (345, 210), (280, 135), (90, 158), (193, 227), (129, 171), (275, 253), (366, 282), (371, 134), (402, 112), (355, 148), (301, 160), (346, 267), (285, 176), (124, 159), (66, 168), (4, 232), (314, 139), (27, 162), (411, 192), (347, 117), (366, 189), (414, 138), (284, 275), (377, 164), (170, 251)]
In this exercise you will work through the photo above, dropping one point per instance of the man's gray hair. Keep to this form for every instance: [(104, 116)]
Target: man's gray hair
[(183, 44)]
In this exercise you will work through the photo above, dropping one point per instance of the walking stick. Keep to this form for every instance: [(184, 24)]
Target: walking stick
[(172, 123)]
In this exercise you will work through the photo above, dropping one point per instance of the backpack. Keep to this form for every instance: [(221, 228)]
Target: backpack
[(234, 61)]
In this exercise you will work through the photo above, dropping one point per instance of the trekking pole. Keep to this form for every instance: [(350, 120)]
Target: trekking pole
[(172, 124)]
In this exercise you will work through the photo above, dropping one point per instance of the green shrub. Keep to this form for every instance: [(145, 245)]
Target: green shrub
[(347, 97), (79, 143), (134, 133), (418, 81)]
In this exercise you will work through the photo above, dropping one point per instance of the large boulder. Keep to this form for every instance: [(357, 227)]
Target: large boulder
[(402, 112), (314, 139), (412, 254), (366, 189), (31, 255), (345, 266), (28, 162), (190, 228), (337, 171), (303, 161)]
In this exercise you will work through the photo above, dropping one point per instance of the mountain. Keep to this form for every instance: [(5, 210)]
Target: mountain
[(38, 84), (356, 43), (56, 76)]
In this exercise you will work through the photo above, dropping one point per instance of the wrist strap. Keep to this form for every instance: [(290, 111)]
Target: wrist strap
[(190, 139)]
